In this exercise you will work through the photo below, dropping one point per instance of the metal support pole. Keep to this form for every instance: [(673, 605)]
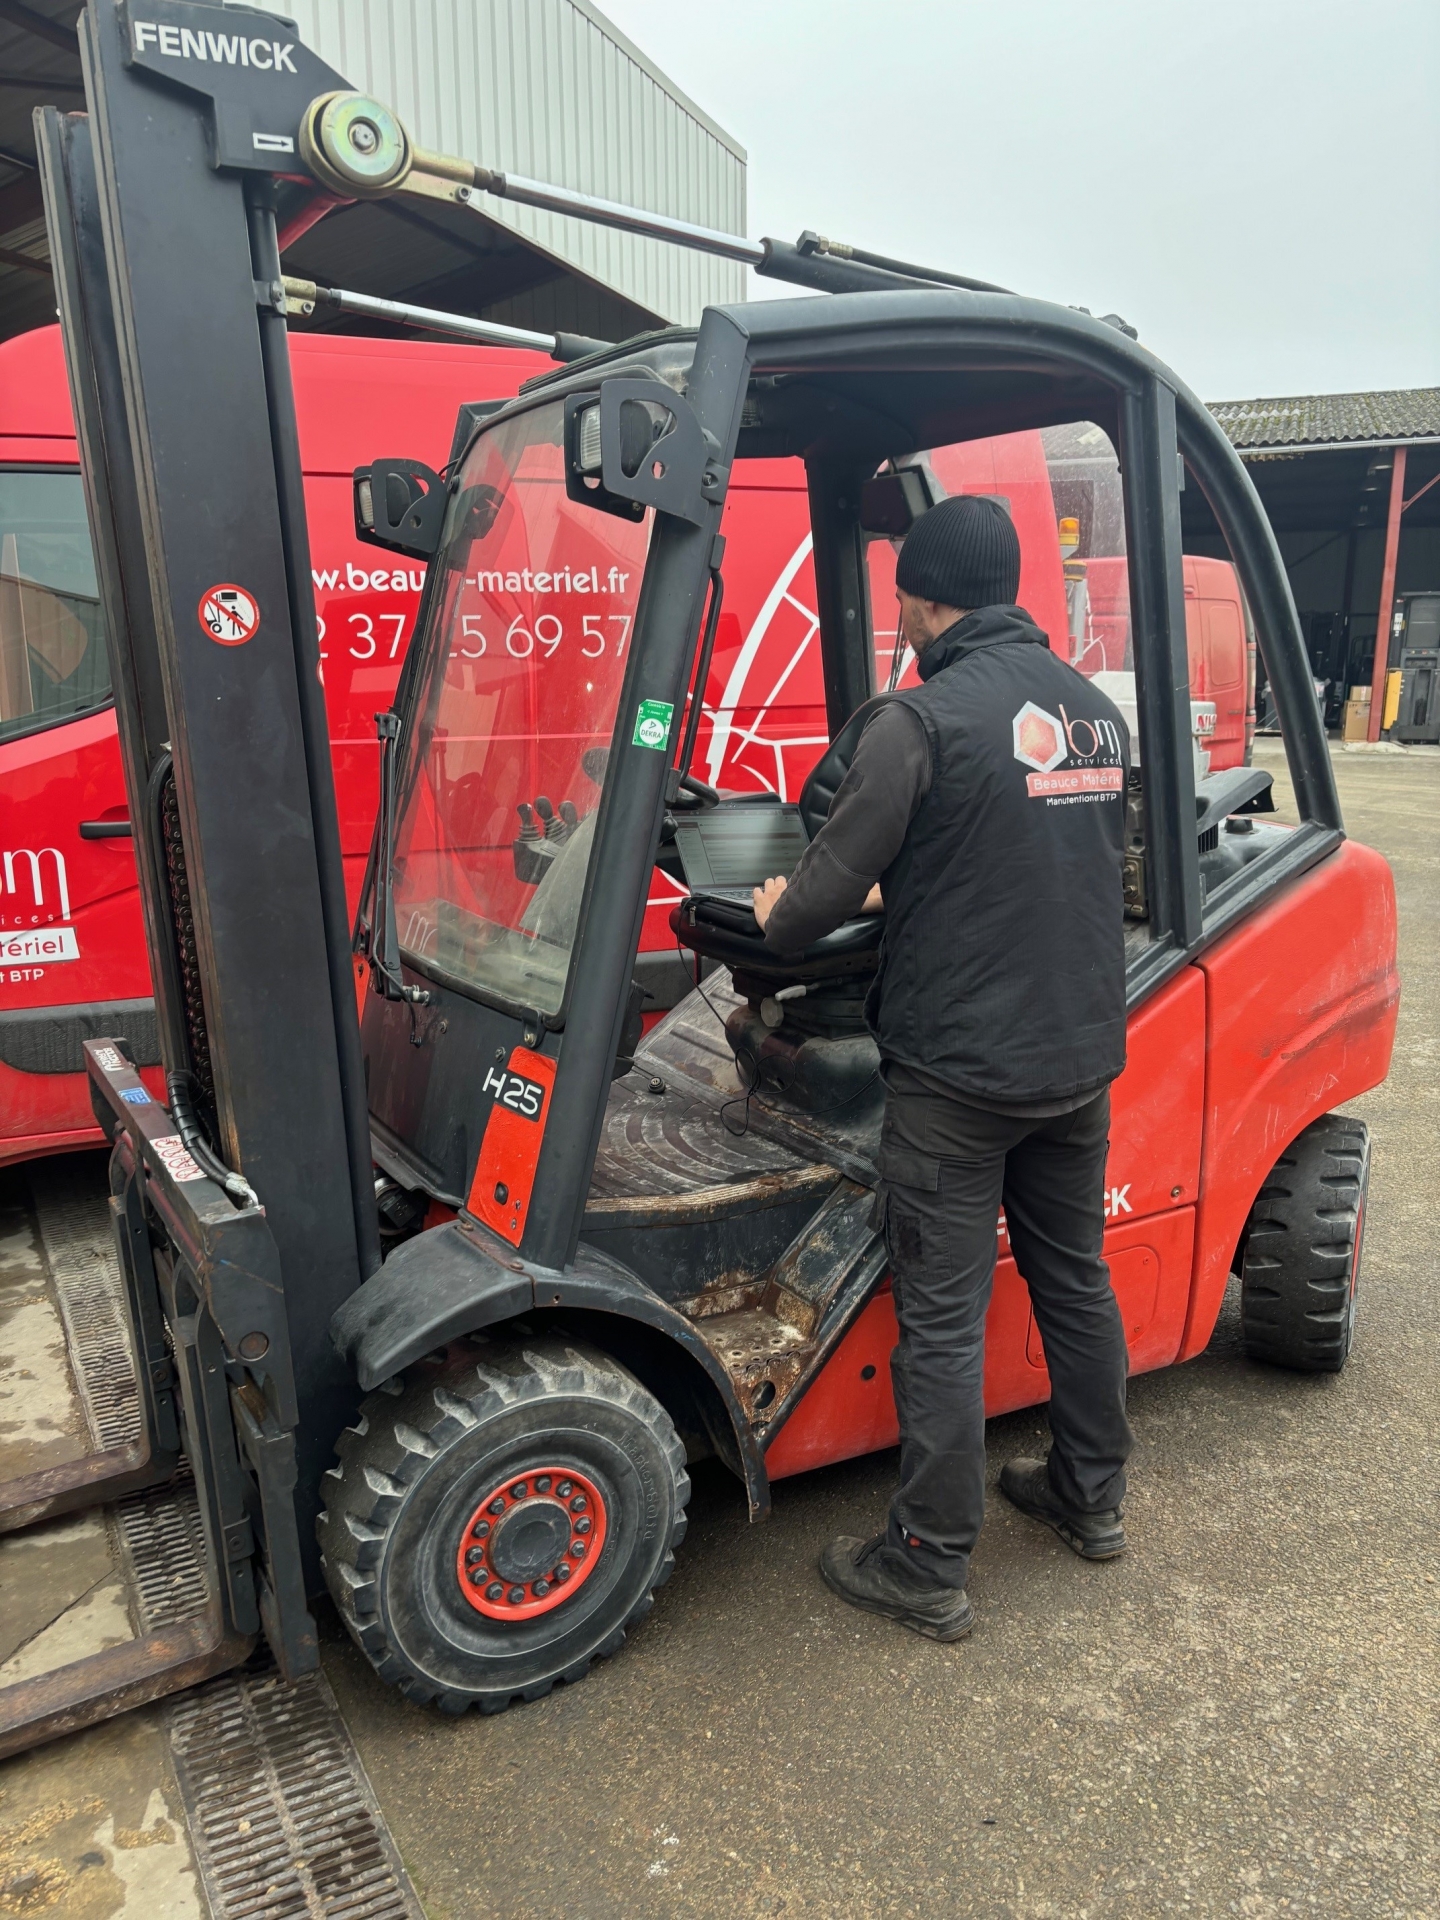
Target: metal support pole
[(1387, 594)]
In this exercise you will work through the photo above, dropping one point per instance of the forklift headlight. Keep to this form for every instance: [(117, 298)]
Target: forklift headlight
[(587, 441), (365, 503)]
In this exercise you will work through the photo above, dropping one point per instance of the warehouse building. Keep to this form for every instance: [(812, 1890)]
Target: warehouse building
[(547, 88), (1349, 483)]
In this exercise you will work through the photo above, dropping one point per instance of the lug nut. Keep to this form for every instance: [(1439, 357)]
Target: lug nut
[(583, 1526), (498, 1506), (519, 1490), (542, 1485), (562, 1573), (481, 1530), (540, 1589), (579, 1503), (494, 1591), (515, 1596), (577, 1549), (564, 1489), (477, 1576), (474, 1555)]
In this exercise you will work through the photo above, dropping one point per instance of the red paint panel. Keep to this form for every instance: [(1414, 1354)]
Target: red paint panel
[(1302, 1000), (1156, 1104), (505, 1171), (844, 1414), (19, 452)]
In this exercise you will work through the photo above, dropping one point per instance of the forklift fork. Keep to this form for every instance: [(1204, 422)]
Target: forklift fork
[(205, 1313)]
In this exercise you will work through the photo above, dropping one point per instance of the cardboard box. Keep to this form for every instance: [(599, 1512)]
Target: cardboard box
[(1359, 696), (1356, 724)]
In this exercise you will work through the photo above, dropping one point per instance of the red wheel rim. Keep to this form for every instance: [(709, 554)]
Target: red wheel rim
[(531, 1542)]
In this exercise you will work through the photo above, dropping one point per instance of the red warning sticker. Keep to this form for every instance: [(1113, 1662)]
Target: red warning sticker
[(229, 614)]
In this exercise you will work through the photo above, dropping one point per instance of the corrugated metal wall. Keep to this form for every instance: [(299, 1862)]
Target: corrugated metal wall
[(549, 88)]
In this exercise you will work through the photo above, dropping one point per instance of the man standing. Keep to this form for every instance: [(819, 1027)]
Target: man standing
[(988, 803)]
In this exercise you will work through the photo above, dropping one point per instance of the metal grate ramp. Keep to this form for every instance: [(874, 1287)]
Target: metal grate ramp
[(283, 1822), (281, 1815), (72, 1210)]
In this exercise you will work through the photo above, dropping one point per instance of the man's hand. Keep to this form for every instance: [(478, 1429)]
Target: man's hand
[(873, 902), (765, 898)]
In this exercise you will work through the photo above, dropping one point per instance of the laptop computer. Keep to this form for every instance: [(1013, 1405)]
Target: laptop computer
[(726, 852)]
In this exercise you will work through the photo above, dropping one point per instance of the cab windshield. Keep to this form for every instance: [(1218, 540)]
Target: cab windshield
[(515, 708)]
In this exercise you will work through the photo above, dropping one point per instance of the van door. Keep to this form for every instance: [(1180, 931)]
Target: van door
[(71, 943)]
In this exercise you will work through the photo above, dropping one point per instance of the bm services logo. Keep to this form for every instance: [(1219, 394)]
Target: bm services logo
[(1069, 758), (35, 909)]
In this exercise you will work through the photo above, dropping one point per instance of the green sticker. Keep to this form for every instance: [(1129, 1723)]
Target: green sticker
[(652, 724)]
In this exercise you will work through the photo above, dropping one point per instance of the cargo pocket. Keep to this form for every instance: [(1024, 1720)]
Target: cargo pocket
[(904, 1226)]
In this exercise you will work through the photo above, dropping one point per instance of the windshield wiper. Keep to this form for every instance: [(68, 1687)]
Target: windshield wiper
[(384, 939)]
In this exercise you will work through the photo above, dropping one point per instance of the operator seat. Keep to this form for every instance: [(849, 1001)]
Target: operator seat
[(731, 935)]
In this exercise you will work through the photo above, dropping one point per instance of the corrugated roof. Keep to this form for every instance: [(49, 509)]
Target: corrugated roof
[(1331, 419)]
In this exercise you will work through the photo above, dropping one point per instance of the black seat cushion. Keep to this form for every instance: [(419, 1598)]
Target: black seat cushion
[(730, 933), (820, 789)]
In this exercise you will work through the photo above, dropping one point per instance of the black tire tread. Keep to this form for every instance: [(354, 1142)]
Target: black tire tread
[(1296, 1268), (403, 1425)]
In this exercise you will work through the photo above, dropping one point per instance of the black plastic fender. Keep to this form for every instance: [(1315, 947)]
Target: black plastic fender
[(457, 1279)]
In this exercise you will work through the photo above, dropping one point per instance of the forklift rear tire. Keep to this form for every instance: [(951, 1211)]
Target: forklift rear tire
[(1303, 1247), (495, 1525)]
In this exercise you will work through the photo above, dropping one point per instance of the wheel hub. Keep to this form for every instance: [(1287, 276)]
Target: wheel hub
[(531, 1541)]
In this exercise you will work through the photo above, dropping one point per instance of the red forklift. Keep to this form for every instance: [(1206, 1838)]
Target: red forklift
[(438, 1301)]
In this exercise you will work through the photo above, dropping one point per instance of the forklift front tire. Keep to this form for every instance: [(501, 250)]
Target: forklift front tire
[(1302, 1249), (495, 1525)]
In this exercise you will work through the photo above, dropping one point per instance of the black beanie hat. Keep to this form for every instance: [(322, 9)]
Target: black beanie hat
[(964, 552)]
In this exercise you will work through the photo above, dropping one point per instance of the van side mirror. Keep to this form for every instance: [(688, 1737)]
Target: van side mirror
[(400, 505), (891, 503)]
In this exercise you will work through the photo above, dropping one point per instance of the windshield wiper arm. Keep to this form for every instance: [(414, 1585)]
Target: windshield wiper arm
[(385, 967)]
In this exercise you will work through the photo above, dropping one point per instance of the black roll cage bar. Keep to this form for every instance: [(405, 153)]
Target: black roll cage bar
[(1152, 419)]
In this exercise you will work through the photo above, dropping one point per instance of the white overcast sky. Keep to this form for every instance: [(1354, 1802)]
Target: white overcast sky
[(1254, 184)]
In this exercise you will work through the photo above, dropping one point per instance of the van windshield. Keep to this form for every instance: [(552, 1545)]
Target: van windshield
[(515, 705), (53, 664)]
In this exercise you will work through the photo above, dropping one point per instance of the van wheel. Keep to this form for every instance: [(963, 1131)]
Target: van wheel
[(1302, 1249), (495, 1525)]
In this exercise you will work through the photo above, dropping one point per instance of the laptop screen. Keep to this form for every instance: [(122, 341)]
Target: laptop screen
[(740, 846)]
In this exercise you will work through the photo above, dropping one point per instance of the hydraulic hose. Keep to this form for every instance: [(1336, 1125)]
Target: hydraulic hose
[(187, 1122)]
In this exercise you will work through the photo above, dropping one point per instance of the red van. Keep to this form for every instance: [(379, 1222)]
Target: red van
[(72, 951), (72, 954)]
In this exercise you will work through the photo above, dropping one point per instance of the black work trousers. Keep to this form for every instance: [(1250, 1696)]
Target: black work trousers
[(947, 1169)]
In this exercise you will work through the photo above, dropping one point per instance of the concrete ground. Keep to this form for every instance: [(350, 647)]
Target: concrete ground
[(1239, 1717), (89, 1827)]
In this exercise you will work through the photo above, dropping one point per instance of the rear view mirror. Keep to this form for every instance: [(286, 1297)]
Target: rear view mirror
[(891, 503), (400, 505)]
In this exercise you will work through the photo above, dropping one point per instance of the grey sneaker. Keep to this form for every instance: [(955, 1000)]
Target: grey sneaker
[(1094, 1536), (869, 1575)]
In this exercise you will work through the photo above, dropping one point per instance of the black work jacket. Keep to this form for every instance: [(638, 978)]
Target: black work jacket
[(1002, 972)]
